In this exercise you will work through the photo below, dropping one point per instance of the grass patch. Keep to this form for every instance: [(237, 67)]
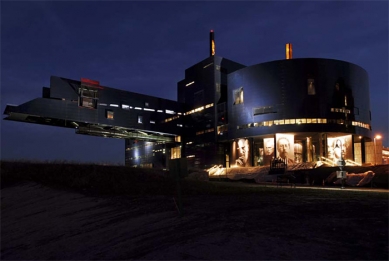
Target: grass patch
[(122, 180)]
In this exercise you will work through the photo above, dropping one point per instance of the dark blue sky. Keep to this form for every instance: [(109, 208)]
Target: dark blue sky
[(145, 47)]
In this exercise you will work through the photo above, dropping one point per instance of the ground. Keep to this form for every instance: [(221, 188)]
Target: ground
[(40, 223)]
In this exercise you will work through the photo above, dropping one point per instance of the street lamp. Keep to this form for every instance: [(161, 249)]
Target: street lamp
[(375, 154)]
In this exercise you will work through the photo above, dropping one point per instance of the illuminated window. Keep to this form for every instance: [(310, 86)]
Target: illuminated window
[(309, 120), (281, 122), (175, 153), (109, 114), (170, 112), (177, 138), (345, 100), (114, 105), (189, 83), (311, 87), (125, 107), (140, 119), (238, 96), (207, 65), (287, 121), (292, 121)]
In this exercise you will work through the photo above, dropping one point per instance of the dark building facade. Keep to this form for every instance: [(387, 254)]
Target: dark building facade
[(226, 113)]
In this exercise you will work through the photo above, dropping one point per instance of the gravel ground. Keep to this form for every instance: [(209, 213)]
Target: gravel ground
[(41, 223)]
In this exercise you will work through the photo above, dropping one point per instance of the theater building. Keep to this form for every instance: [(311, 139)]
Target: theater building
[(299, 110)]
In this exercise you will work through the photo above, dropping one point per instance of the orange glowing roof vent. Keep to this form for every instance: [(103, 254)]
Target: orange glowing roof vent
[(288, 50)]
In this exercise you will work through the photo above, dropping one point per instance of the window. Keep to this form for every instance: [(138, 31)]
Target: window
[(264, 110), (170, 112), (175, 153), (109, 114), (125, 107), (238, 96), (207, 65), (87, 97), (217, 87), (198, 98), (311, 87), (356, 111), (140, 119)]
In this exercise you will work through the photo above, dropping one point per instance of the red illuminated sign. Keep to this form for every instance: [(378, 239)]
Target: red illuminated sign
[(90, 83)]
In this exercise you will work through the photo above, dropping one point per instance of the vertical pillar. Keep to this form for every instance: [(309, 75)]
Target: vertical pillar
[(309, 149), (363, 150)]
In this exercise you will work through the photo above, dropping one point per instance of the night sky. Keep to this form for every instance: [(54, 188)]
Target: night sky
[(145, 47)]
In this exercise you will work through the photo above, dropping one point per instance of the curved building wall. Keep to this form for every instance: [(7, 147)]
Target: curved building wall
[(332, 95)]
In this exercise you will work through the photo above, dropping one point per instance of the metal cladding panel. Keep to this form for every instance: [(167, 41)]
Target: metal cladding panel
[(285, 85), (61, 88)]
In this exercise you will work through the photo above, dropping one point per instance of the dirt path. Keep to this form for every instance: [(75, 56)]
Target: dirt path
[(43, 223)]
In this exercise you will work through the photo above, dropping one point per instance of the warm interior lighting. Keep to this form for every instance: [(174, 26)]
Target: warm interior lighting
[(288, 50)]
